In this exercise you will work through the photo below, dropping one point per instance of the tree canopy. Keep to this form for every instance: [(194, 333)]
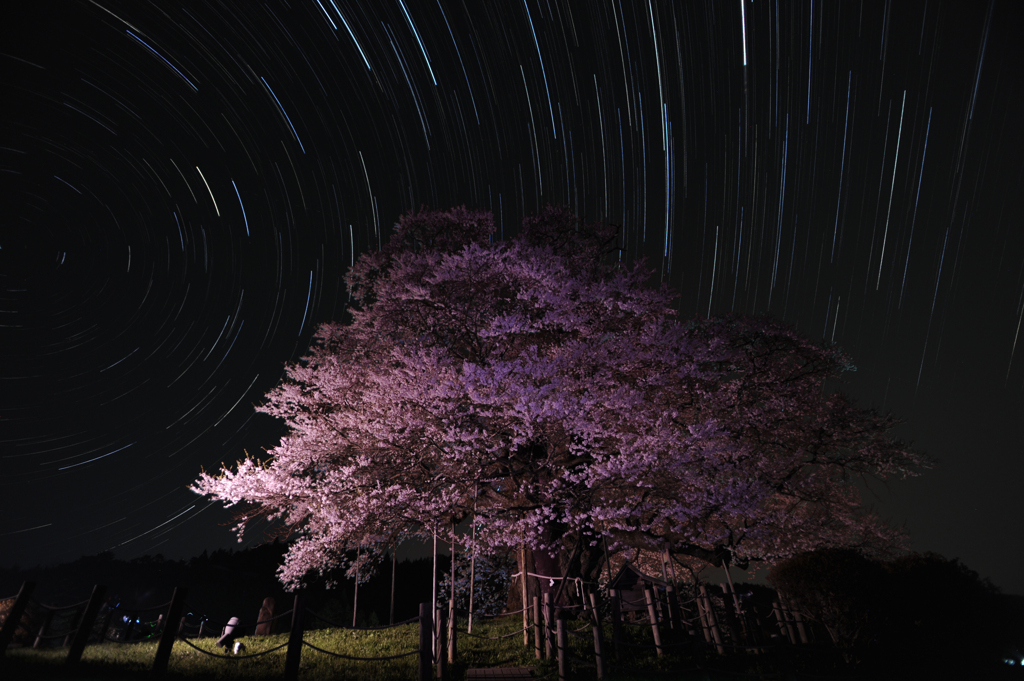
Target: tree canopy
[(549, 392)]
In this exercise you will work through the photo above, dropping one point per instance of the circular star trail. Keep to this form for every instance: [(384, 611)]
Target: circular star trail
[(184, 188)]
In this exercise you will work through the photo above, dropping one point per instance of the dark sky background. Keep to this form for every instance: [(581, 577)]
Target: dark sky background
[(185, 185)]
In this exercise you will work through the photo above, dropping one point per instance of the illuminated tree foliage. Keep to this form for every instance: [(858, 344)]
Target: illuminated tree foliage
[(549, 392)]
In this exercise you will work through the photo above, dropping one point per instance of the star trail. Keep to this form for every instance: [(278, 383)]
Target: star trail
[(184, 188)]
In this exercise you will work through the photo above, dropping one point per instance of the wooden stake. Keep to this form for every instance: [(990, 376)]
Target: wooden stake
[(85, 625), (292, 659), (653, 614), (426, 632), (598, 636), (563, 650), (14, 615), (537, 650), (613, 594), (163, 650)]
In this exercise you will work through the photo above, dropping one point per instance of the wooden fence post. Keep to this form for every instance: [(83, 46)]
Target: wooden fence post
[(563, 649), (163, 650), (616, 621), (81, 636), (548, 632), (294, 656), (598, 636), (14, 615), (442, 645), (538, 652), (653, 614), (426, 640)]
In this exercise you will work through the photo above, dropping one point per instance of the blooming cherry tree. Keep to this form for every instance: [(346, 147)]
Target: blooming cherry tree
[(553, 397)]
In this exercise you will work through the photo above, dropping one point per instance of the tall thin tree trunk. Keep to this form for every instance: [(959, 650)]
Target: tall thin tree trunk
[(394, 559), (433, 594), (355, 596)]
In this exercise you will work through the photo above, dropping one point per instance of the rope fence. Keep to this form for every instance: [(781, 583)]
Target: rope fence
[(712, 630)]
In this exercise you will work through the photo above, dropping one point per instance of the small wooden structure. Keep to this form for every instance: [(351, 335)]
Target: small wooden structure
[(629, 584)]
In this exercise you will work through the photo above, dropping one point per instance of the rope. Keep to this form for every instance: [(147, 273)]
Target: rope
[(764, 675), (342, 626), (276, 617), (366, 659), (503, 614), (162, 606), (494, 638), (61, 635), (642, 623), (62, 607), (231, 657), (634, 670)]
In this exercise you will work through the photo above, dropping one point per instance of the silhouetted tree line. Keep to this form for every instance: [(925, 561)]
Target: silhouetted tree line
[(917, 614), (226, 584)]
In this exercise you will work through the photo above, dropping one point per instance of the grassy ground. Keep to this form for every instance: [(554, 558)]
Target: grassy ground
[(134, 661)]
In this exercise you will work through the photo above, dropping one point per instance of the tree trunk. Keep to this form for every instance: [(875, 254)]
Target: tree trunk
[(586, 564)]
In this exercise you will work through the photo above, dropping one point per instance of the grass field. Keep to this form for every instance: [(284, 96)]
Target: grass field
[(135, 660)]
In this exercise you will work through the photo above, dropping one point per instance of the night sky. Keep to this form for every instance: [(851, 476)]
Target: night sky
[(185, 185)]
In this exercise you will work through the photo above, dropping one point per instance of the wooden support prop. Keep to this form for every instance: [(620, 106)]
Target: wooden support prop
[(777, 609), (537, 649), (442, 645), (85, 625), (616, 621), (787, 617), (70, 634), (294, 656), (163, 650), (522, 583), (548, 629), (798, 616), (598, 635), (14, 615), (732, 620), (703, 617), (472, 587), (452, 651), (675, 613), (394, 559), (709, 610), (653, 614), (42, 629), (426, 634), (563, 649)]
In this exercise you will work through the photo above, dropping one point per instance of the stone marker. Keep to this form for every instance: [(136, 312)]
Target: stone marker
[(264, 626)]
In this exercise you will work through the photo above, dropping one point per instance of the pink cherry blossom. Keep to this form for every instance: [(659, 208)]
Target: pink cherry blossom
[(551, 395)]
